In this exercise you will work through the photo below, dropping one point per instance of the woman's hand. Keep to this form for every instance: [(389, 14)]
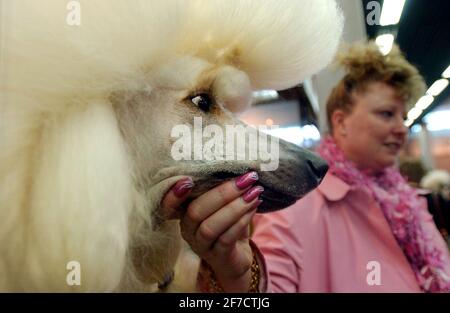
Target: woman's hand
[(216, 225)]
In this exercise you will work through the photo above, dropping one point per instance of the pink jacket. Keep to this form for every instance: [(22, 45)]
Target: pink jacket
[(327, 242)]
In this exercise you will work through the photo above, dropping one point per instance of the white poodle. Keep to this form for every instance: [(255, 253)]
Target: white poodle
[(89, 93)]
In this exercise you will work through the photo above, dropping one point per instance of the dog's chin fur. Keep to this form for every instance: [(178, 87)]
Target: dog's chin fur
[(71, 187)]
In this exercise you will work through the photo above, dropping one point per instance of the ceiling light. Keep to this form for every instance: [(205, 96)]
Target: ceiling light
[(446, 73), (424, 102), (408, 122), (414, 113), (385, 42), (437, 120), (391, 12), (437, 87)]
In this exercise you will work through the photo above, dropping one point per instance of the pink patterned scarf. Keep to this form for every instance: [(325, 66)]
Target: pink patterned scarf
[(403, 209)]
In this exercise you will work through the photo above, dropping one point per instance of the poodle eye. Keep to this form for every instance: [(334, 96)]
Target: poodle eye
[(203, 101)]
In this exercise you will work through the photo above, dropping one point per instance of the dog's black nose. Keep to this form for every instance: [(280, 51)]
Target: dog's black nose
[(318, 167)]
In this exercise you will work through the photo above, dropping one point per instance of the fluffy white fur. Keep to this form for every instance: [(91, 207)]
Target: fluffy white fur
[(66, 172)]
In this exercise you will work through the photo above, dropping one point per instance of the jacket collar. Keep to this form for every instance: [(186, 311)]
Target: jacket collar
[(333, 188)]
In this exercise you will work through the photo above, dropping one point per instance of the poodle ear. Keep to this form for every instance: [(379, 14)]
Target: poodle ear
[(76, 204)]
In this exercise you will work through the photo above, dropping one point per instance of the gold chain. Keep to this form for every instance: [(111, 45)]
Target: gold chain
[(214, 285)]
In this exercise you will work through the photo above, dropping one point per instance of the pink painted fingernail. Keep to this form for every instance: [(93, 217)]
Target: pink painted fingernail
[(183, 186), (252, 194), (246, 180)]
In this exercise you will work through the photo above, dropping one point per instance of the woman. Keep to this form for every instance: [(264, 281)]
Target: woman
[(364, 229)]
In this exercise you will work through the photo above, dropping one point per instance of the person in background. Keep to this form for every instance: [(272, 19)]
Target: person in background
[(436, 184), (364, 229), (437, 181), (413, 170)]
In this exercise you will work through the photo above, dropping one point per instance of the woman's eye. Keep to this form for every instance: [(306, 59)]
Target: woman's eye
[(203, 101)]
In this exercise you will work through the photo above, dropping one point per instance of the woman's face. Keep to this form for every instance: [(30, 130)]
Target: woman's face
[(373, 133)]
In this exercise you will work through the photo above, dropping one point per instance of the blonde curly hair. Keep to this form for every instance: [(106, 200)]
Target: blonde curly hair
[(363, 63)]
